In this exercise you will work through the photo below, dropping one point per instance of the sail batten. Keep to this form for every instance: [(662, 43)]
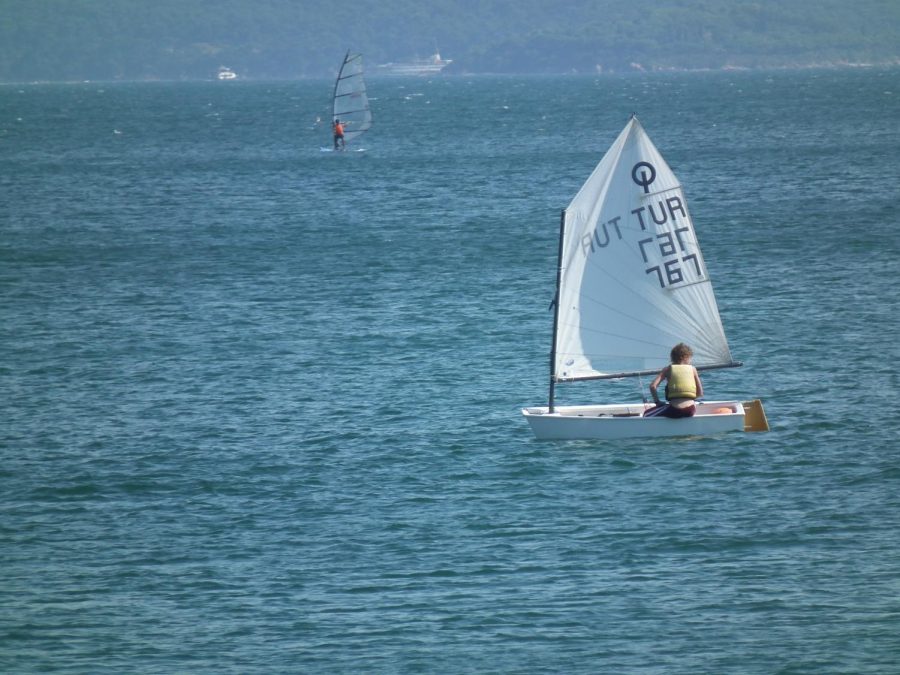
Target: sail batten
[(632, 280)]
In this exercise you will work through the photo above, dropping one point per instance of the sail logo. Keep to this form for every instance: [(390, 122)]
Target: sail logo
[(666, 212), (643, 174)]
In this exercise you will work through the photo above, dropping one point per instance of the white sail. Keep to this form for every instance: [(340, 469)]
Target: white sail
[(633, 282), (351, 105)]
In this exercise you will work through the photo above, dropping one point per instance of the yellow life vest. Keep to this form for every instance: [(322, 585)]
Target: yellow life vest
[(681, 382)]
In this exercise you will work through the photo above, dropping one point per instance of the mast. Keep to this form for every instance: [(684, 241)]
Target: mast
[(337, 81), (562, 232)]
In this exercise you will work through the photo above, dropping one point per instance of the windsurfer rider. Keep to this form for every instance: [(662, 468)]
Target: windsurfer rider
[(338, 134), (683, 386)]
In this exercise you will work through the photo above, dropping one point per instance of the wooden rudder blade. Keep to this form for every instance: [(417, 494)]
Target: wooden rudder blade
[(755, 416)]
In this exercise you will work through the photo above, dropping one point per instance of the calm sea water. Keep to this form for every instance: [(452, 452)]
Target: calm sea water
[(261, 403)]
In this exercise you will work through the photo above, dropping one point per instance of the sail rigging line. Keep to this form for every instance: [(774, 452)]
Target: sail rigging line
[(641, 389)]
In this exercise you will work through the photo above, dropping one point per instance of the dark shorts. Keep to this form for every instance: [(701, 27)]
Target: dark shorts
[(665, 410)]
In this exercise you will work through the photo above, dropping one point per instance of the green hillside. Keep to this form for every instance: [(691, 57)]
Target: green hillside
[(190, 39)]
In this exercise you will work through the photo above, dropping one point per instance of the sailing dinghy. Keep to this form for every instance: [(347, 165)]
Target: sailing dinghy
[(631, 283), (350, 104)]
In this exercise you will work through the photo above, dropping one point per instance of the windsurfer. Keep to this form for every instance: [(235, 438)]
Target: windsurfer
[(338, 134), (683, 386)]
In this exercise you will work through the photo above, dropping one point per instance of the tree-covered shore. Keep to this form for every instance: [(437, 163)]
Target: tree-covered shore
[(63, 40)]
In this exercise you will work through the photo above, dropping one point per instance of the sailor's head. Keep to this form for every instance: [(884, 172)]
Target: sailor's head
[(681, 353)]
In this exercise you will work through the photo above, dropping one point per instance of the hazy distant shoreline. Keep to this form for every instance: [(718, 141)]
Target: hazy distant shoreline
[(636, 71)]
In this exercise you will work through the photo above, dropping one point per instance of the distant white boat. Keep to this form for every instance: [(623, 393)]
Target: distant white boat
[(227, 74), (427, 66), (631, 282)]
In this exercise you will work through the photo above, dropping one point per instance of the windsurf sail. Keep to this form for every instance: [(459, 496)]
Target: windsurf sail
[(351, 104)]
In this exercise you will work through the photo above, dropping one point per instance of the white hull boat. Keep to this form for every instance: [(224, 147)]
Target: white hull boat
[(631, 283), (620, 421)]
